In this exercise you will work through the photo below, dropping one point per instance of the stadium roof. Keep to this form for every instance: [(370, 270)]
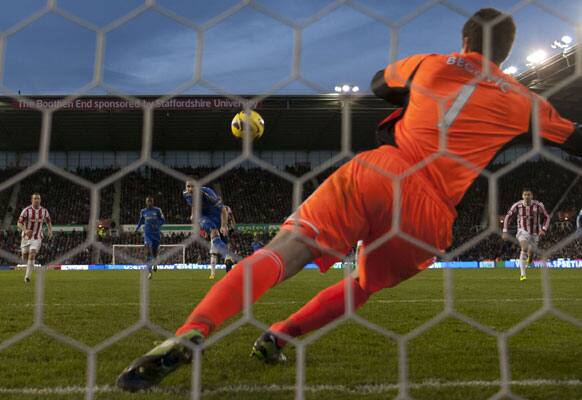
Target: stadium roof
[(201, 123), (553, 72), (292, 123)]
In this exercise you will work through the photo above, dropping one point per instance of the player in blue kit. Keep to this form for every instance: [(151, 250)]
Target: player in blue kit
[(152, 219), (213, 220)]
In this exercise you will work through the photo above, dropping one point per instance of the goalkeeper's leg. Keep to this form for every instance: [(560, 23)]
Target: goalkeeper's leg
[(385, 266), (283, 258), (336, 223), (325, 307)]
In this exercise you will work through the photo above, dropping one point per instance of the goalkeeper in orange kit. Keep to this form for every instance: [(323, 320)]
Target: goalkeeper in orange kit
[(361, 199)]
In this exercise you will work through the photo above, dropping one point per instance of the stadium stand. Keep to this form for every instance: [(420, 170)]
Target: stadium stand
[(255, 195), (67, 202), (259, 197)]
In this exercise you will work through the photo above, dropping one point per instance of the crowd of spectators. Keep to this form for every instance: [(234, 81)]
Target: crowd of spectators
[(61, 243), (258, 196), (166, 190), (255, 195), (68, 203), (106, 195), (7, 193)]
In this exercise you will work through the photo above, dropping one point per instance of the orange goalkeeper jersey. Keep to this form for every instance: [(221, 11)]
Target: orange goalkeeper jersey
[(475, 119)]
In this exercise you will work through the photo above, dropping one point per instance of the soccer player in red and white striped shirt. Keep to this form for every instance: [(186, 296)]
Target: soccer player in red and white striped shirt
[(30, 223), (530, 228)]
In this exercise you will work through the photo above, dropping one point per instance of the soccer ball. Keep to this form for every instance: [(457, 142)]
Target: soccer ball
[(254, 120)]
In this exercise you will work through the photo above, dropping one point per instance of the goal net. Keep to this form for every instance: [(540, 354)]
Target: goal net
[(127, 254), (396, 346)]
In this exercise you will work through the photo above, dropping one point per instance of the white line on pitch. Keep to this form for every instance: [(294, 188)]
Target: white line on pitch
[(358, 389)]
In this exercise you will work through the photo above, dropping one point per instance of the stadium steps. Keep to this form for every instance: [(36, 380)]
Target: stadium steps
[(11, 210)]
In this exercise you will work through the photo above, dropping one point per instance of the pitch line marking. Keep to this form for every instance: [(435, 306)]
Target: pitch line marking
[(360, 389)]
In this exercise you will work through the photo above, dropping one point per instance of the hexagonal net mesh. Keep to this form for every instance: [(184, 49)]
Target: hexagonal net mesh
[(450, 110)]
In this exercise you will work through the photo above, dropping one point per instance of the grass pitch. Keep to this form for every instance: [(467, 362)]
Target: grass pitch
[(450, 360)]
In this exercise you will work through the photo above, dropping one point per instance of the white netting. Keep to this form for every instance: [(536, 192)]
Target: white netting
[(296, 75)]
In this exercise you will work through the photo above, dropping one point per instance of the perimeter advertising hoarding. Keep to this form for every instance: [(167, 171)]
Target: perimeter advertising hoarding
[(559, 263)]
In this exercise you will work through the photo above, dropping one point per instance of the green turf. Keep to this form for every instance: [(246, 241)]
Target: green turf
[(352, 360)]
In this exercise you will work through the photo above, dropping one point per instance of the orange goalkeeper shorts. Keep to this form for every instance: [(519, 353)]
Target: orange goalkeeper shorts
[(358, 202)]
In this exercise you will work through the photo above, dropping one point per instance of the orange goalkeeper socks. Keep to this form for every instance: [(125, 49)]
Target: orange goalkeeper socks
[(225, 299), (328, 305)]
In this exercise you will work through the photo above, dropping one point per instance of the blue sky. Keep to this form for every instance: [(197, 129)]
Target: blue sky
[(248, 52)]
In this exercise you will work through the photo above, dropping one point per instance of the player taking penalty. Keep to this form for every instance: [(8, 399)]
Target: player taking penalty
[(356, 202), (152, 220), (30, 223), (213, 221)]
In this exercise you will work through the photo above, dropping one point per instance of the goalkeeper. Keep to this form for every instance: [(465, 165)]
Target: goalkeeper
[(361, 199)]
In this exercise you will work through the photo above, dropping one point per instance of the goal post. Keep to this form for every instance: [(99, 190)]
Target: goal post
[(136, 251)]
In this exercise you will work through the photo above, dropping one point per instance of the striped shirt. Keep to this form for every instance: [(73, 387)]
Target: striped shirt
[(33, 219), (528, 217)]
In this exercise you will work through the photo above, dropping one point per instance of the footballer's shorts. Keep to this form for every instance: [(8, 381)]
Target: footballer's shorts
[(209, 222), (27, 245), (525, 236), (359, 202), (153, 242)]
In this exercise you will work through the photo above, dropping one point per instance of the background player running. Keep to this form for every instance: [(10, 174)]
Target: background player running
[(152, 219), (357, 201), (530, 229), (30, 223), (213, 220)]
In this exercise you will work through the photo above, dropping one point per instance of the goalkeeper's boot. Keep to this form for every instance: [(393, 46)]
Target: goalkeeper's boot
[(165, 358), (522, 278), (267, 350)]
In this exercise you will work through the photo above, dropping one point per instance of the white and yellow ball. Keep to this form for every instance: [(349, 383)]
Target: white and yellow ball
[(256, 124)]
